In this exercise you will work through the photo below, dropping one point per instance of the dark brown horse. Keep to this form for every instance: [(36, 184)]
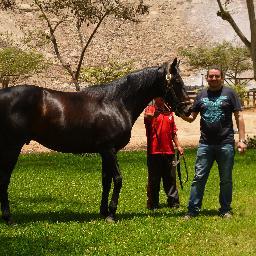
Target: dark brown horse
[(98, 119)]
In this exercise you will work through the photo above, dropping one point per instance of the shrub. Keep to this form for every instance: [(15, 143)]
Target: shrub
[(251, 142), (105, 74), (240, 90), (15, 63)]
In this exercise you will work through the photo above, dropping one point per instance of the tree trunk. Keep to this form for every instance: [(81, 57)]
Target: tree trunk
[(251, 13), (5, 81)]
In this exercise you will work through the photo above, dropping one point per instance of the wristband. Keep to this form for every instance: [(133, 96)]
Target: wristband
[(244, 141)]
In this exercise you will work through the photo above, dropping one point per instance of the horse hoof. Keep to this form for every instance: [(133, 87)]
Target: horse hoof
[(9, 221), (110, 219)]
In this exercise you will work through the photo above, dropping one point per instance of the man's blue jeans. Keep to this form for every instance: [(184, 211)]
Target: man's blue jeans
[(206, 155)]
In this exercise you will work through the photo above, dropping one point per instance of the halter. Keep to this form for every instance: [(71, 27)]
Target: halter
[(176, 102)]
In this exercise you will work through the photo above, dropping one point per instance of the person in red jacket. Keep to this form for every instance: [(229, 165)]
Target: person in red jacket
[(161, 133)]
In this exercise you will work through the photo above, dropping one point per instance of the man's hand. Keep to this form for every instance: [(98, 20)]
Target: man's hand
[(241, 147), (190, 118)]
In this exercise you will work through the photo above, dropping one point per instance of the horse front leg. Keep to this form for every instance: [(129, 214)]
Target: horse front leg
[(110, 170), (5, 207), (106, 186), (8, 160)]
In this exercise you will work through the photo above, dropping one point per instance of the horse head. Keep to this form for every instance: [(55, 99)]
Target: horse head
[(175, 93)]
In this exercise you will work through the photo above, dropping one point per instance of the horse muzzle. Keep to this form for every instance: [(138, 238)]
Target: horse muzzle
[(184, 108)]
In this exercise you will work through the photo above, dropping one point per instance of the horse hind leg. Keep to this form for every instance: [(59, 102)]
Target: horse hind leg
[(8, 159)]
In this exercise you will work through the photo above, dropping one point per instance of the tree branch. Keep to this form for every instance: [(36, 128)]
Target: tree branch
[(86, 46), (53, 39), (225, 15), (80, 36)]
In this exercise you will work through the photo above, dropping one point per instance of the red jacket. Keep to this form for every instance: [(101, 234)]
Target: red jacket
[(160, 131)]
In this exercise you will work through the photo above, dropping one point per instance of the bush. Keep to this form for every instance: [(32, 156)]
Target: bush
[(251, 142), (240, 90), (15, 63), (105, 74)]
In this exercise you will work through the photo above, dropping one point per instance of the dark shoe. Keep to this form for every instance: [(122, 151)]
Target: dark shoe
[(152, 204), (152, 207), (173, 202)]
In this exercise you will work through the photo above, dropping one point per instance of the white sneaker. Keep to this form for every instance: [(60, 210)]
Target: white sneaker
[(227, 215)]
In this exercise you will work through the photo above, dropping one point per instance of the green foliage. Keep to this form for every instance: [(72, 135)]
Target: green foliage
[(240, 90), (251, 142), (105, 74), (15, 63), (232, 59), (86, 11), (55, 201)]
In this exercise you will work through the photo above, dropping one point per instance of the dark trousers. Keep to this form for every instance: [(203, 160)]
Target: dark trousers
[(160, 167)]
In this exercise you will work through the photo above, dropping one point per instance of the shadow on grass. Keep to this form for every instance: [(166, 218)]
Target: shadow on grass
[(66, 216), (210, 212), (71, 213), (154, 213), (24, 245), (63, 216), (172, 213)]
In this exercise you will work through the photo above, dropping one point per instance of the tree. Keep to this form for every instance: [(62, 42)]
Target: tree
[(85, 14), (232, 59), (251, 45)]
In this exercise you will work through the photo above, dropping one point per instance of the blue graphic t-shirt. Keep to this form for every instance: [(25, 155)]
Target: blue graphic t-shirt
[(216, 108)]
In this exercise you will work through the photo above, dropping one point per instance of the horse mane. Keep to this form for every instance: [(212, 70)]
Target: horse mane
[(121, 87)]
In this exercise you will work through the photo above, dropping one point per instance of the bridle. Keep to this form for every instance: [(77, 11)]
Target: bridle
[(176, 103)]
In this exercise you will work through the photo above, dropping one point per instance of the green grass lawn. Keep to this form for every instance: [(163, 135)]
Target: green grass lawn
[(55, 201)]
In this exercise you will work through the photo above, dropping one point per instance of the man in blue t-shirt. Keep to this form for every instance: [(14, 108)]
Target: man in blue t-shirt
[(216, 104)]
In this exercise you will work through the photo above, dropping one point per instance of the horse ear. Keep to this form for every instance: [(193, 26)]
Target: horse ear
[(174, 67)]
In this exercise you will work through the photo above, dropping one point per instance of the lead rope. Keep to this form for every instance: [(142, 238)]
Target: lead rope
[(177, 164)]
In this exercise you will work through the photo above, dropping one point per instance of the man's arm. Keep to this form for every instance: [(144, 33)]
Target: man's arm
[(190, 118), (241, 130)]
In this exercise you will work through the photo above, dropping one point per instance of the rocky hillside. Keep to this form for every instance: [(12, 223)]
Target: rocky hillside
[(170, 24)]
